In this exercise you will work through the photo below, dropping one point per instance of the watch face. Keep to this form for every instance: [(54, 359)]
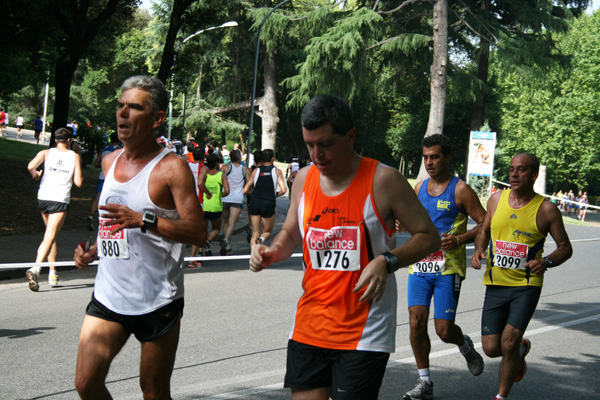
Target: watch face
[(149, 217)]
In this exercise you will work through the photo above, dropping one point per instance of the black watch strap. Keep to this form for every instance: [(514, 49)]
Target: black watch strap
[(392, 264)]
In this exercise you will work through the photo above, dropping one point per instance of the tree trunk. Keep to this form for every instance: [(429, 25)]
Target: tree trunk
[(478, 113), (268, 110), (175, 23), (63, 76), (438, 73)]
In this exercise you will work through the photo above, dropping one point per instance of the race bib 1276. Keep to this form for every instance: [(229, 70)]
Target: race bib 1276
[(510, 255), (112, 246), (335, 249)]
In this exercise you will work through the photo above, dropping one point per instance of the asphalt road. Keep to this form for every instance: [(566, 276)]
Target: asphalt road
[(236, 324)]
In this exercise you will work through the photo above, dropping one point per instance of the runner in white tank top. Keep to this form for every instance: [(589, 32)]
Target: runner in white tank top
[(62, 168), (148, 207), (237, 175)]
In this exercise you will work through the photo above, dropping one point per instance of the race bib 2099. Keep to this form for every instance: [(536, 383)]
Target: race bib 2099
[(510, 255)]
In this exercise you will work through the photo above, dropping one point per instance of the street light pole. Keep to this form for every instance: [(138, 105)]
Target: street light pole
[(254, 81), (225, 25)]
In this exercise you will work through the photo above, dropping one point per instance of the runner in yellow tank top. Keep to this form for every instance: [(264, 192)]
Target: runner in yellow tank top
[(513, 232)]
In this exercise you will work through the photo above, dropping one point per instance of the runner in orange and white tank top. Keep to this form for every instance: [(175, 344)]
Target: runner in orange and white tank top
[(342, 211)]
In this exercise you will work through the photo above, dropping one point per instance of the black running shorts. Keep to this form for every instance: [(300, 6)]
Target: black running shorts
[(351, 374), (146, 327), (51, 207), (262, 207), (508, 305)]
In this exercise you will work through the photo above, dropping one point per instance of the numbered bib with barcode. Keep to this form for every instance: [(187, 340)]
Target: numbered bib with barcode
[(432, 264), (112, 246), (510, 255), (335, 249)]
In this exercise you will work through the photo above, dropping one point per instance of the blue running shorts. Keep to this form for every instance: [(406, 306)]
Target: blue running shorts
[(445, 290)]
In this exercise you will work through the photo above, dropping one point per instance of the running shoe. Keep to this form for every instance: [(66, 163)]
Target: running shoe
[(260, 240), (248, 233), (474, 359), (207, 249), (423, 391), (223, 243), (53, 280), (526, 343), (90, 223), (195, 264), (33, 275), (228, 249)]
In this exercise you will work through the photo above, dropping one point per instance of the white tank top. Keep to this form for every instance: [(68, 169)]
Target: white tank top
[(152, 275), (59, 168), (235, 177)]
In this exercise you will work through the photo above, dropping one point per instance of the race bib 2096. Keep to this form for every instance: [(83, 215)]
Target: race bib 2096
[(433, 263)]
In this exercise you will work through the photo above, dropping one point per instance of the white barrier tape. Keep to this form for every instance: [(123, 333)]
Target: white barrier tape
[(72, 263), (556, 198)]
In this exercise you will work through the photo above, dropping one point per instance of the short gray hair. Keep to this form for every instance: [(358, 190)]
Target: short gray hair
[(159, 98)]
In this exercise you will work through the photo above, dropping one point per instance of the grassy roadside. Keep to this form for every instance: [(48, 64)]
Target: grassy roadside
[(18, 198), (21, 152)]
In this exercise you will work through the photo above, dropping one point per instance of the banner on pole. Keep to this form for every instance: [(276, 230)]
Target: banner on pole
[(481, 153)]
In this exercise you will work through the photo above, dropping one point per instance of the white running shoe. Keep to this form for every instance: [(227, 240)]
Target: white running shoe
[(423, 391)]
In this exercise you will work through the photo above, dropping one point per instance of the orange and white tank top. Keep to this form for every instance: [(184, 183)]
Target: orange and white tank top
[(341, 235)]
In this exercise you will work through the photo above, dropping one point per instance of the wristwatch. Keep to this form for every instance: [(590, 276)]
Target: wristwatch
[(392, 264), (149, 220), (548, 262)]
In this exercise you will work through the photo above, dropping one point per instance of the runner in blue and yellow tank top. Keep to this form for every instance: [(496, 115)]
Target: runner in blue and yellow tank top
[(513, 232), (449, 202)]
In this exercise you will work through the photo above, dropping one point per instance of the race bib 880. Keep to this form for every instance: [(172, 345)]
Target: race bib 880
[(112, 246), (335, 249)]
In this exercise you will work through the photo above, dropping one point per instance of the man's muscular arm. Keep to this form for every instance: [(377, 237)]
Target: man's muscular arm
[(466, 199), (483, 234), (396, 200), (550, 219), (171, 186)]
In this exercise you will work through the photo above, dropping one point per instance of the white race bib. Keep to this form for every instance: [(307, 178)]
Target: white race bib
[(336, 249), (112, 246), (510, 255), (432, 264)]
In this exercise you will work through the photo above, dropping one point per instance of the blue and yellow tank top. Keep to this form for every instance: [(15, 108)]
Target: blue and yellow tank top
[(515, 239), (447, 218)]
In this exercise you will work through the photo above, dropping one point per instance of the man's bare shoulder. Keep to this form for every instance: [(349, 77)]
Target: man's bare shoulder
[(110, 157), (549, 209), (463, 189), (384, 175)]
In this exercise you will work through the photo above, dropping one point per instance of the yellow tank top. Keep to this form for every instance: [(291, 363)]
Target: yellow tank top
[(515, 239)]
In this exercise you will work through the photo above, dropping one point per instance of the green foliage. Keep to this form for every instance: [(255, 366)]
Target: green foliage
[(18, 151), (559, 120), (92, 140)]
